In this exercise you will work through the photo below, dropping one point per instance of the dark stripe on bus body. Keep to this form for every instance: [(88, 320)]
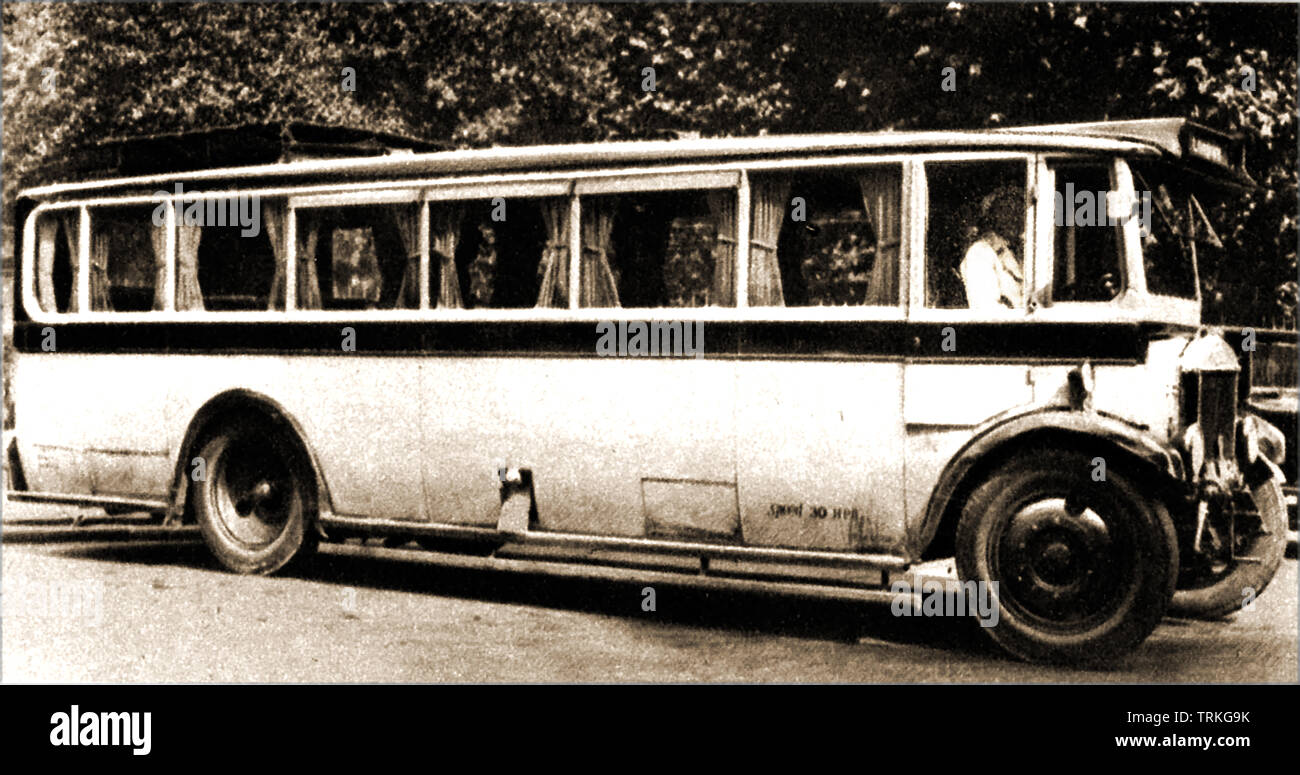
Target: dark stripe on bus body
[(1031, 341)]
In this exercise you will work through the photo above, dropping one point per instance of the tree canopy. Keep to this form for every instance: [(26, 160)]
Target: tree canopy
[(477, 75)]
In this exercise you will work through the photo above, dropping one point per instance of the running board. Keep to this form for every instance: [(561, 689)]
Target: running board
[(598, 572), (582, 541), (75, 499)]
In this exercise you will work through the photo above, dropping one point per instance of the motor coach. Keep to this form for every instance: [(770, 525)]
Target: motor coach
[(984, 345)]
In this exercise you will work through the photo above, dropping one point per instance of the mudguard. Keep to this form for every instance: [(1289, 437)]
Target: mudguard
[(1057, 424)]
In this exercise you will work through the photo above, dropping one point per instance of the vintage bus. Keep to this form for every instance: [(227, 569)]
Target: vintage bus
[(811, 362)]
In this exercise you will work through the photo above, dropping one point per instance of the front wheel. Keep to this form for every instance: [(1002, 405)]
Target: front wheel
[(255, 503), (1239, 559), (1081, 567)]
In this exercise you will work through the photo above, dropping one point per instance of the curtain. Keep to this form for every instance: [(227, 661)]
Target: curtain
[(72, 231), (276, 216), (308, 283), (158, 237), (722, 206), (554, 265), (882, 198), (99, 249), (189, 296), (769, 201), (47, 233), (407, 221), (444, 230), (599, 288), (482, 270)]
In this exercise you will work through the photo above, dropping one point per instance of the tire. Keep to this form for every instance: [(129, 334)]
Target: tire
[(1084, 569), (1208, 592), (256, 506)]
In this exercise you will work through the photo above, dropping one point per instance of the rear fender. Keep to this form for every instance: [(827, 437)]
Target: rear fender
[(239, 401)]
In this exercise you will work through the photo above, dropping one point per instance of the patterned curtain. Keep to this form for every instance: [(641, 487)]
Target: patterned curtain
[(158, 238), (599, 288), (722, 206), (99, 249), (407, 221), (47, 234), (72, 231), (769, 202), (309, 296), (276, 216), (882, 197), (554, 266), (444, 231), (189, 296)]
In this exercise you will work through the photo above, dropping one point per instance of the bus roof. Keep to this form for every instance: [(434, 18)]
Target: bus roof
[(1177, 139), (1217, 155)]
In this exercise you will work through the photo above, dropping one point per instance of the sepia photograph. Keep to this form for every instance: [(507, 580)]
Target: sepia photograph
[(650, 343)]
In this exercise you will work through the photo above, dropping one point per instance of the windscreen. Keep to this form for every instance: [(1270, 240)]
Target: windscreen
[(1177, 235)]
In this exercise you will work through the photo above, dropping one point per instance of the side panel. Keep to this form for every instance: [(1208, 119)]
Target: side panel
[(943, 403), (818, 448), (360, 414), (93, 423), (615, 445)]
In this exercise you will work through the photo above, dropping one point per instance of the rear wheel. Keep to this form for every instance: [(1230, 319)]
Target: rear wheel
[(256, 503), (1081, 570)]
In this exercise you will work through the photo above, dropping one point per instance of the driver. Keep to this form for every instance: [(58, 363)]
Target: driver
[(991, 272)]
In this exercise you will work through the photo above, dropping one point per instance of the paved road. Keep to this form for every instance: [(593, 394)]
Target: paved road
[(150, 610)]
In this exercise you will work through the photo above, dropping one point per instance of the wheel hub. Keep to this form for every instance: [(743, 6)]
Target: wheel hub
[(249, 492), (1052, 554)]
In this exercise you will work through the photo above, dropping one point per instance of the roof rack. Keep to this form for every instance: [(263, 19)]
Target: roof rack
[(230, 146)]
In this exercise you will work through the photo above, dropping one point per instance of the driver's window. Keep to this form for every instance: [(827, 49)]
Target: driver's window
[(1085, 235)]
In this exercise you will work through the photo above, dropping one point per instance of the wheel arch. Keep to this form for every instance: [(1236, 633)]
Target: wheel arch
[(240, 401), (1117, 441)]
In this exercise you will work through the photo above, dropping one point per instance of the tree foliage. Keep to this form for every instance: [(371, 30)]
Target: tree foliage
[(525, 73)]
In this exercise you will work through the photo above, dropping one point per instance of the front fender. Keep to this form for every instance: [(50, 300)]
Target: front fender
[(1001, 436)]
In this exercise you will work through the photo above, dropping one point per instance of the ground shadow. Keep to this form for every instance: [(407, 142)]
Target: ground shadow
[(676, 603)]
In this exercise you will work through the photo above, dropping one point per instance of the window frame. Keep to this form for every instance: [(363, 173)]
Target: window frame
[(83, 248), (537, 184), (1141, 259), (1135, 302), (716, 180), (394, 196), (1046, 254), (907, 238), (918, 310)]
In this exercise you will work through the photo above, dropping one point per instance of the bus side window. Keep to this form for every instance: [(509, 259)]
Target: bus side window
[(358, 257), (56, 256), (975, 234), (508, 254), (664, 249), (826, 238), (223, 267), (127, 255)]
